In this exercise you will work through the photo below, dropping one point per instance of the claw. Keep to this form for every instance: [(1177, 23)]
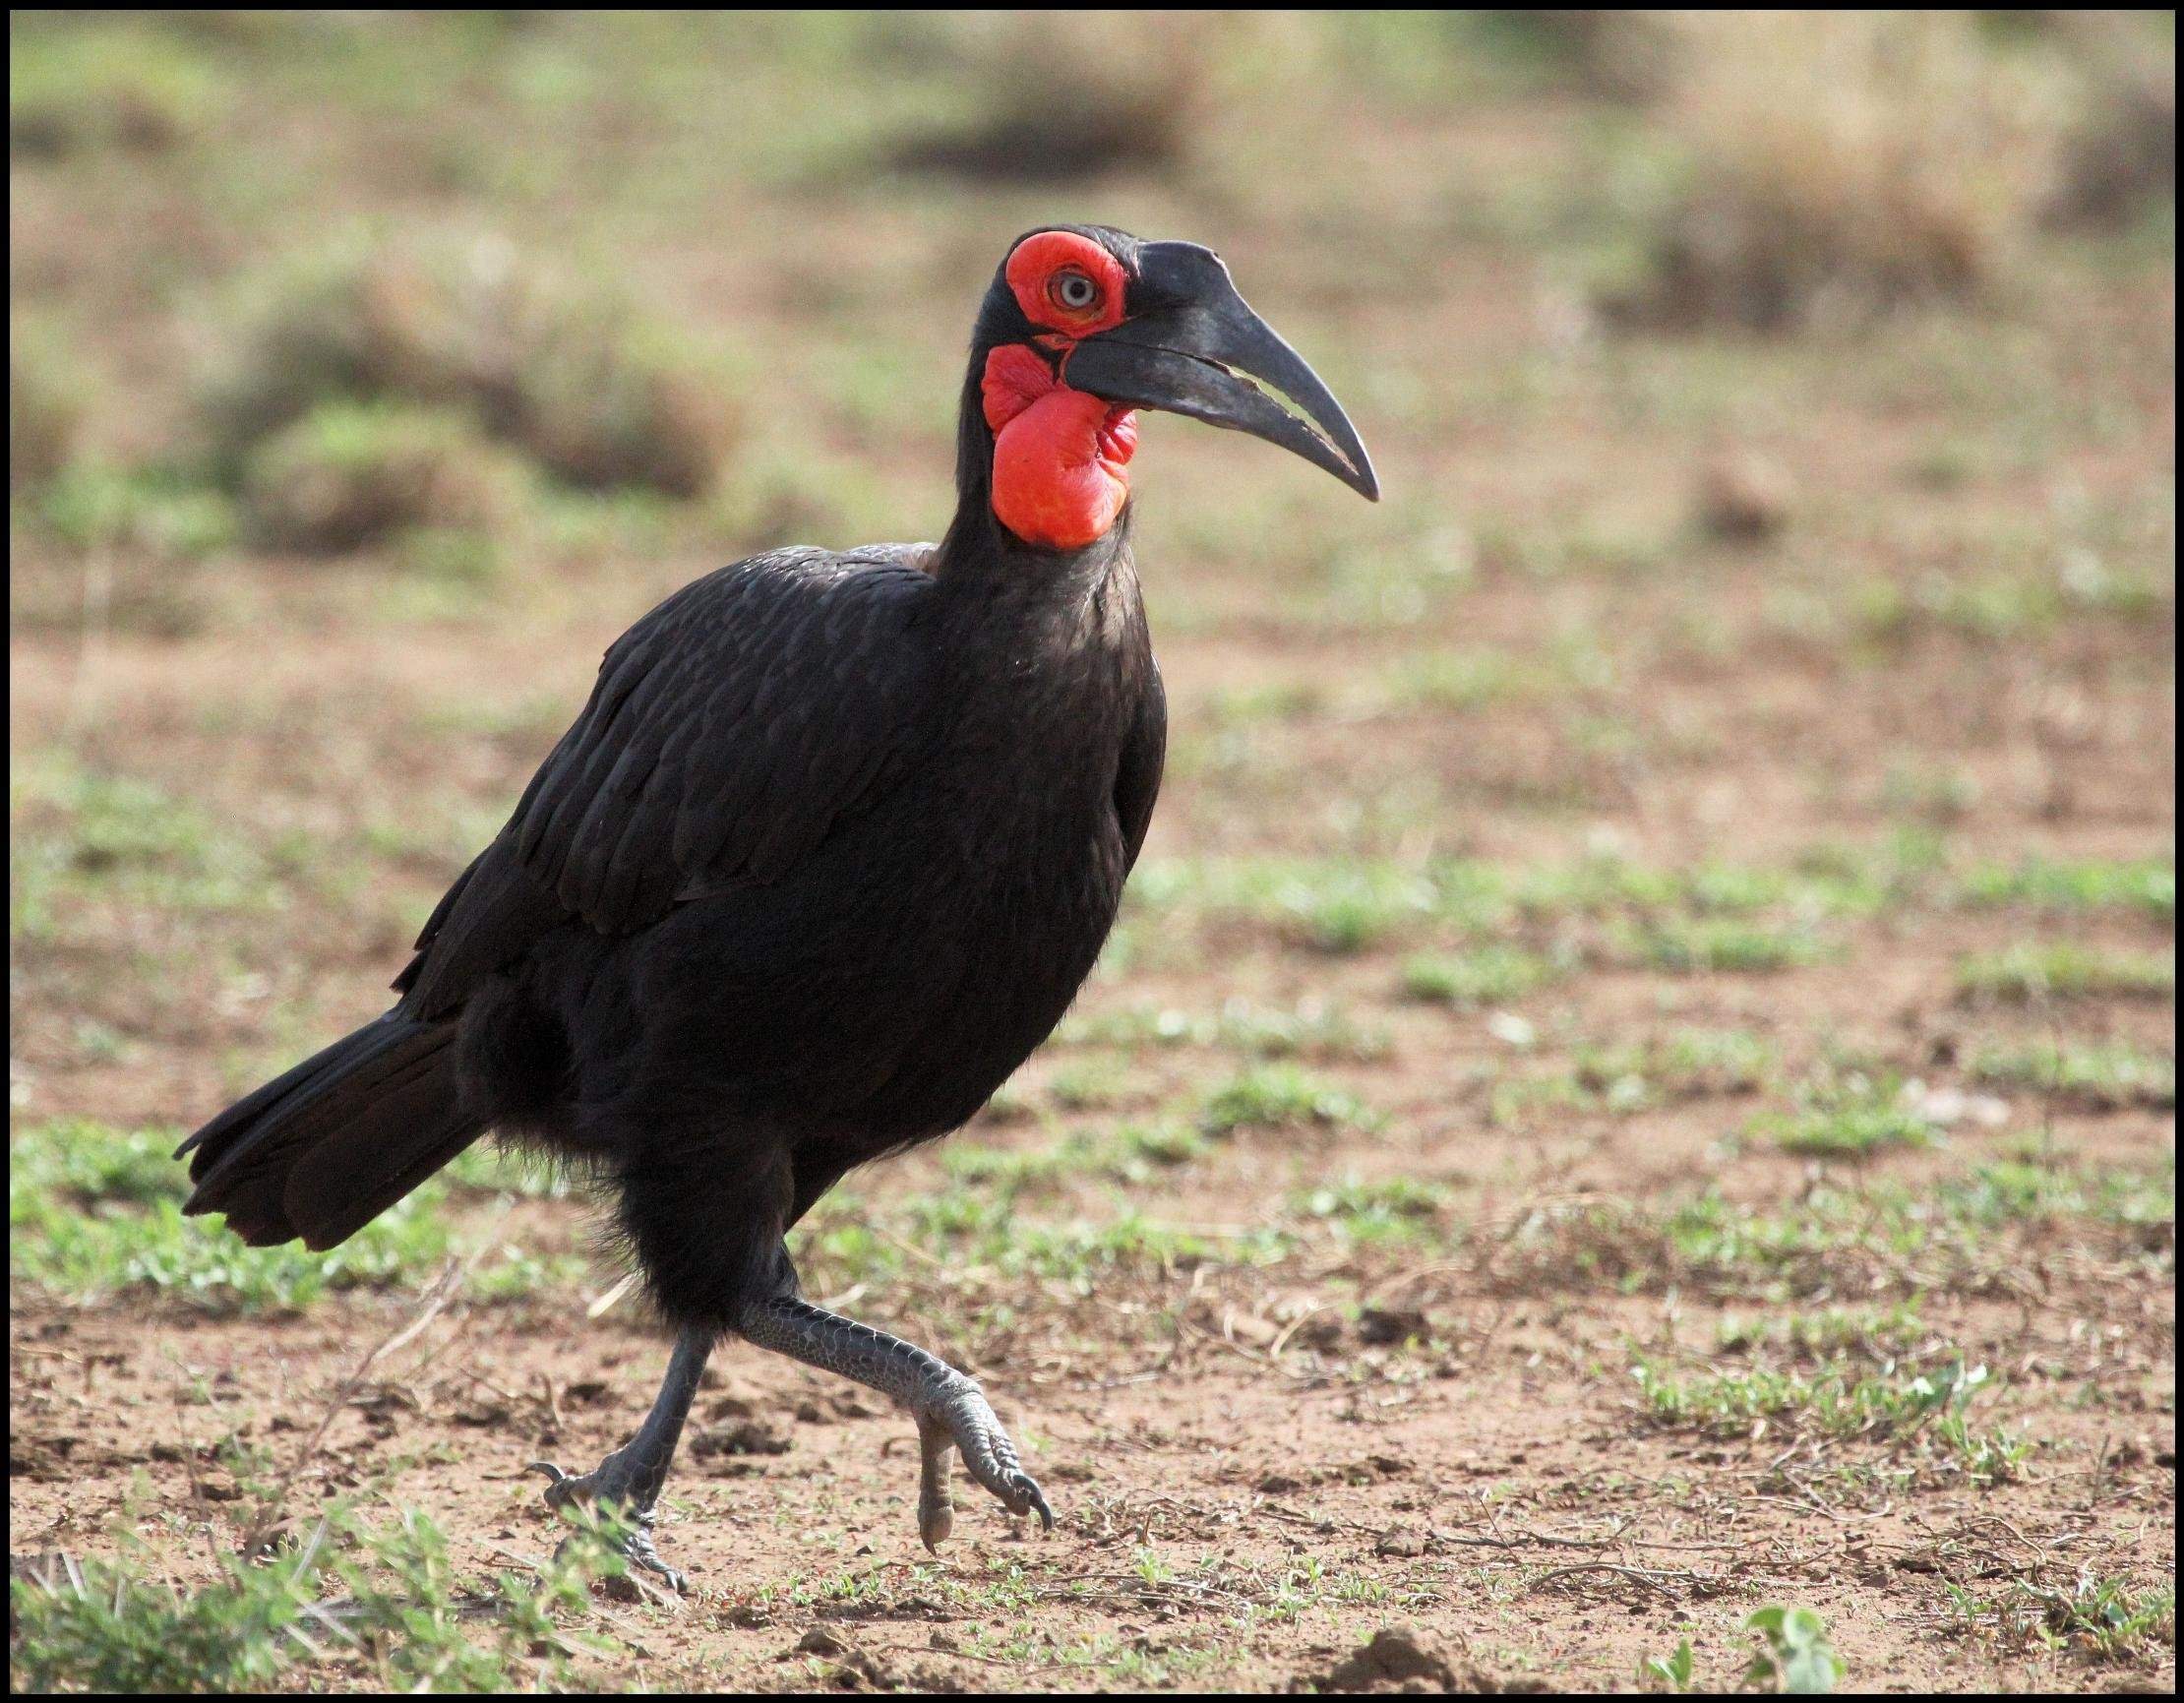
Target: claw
[(562, 1488), (565, 1488), (968, 1424)]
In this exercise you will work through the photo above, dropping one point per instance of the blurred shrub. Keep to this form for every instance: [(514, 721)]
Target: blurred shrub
[(583, 383), (350, 475), (1068, 95), (2119, 153), (1630, 55), (75, 91), (1842, 162), (46, 401), (145, 511)]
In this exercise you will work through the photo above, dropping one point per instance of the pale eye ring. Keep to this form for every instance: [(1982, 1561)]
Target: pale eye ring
[(1074, 291)]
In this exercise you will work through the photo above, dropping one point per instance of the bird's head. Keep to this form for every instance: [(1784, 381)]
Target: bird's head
[(1085, 324)]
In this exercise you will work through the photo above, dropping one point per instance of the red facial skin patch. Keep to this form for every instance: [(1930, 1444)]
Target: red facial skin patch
[(1060, 457), (1041, 274)]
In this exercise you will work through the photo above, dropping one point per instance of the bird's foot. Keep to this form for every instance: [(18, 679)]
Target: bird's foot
[(609, 1485), (961, 1419)]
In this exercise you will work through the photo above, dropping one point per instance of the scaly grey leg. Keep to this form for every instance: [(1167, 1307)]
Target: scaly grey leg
[(630, 1477), (951, 1411)]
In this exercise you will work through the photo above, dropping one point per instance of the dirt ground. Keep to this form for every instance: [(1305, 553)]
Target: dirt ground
[(1551, 1319)]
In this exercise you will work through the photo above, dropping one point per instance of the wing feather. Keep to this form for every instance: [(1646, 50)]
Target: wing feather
[(729, 731)]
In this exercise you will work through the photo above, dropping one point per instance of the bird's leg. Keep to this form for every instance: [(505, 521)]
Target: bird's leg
[(951, 1411), (630, 1477)]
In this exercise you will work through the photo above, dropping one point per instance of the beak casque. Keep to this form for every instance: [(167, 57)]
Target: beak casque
[(1195, 348)]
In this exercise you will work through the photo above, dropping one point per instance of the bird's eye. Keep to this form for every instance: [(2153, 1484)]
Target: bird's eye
[(1074, 291)]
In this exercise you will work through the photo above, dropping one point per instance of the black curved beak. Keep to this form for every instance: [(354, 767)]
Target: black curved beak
[(1193, 347)]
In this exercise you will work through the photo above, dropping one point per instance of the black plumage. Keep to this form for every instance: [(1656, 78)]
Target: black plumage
[(826, 855)]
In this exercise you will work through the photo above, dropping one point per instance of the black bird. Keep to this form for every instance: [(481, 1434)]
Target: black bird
[(826, 856)]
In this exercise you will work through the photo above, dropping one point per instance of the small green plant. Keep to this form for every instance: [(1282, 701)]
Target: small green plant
[(2147, 885), (1278, 1096), (1895, 1404), (1847, 1114), (1794, 1656), (1672, 1672), (1852, 1131), (2099, 1618)]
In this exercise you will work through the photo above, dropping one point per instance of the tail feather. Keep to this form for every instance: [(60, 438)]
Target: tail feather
[(321, 1151)]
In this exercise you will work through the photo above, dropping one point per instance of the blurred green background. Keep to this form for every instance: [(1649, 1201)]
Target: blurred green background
[(466, 289)]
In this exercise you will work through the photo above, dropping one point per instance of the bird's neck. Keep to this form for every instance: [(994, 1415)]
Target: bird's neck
[(1041, 471)]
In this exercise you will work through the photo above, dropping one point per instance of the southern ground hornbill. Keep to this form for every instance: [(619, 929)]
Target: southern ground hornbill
[(826, 856)]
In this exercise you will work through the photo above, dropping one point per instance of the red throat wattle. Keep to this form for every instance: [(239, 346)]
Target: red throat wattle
[(1060, 457)]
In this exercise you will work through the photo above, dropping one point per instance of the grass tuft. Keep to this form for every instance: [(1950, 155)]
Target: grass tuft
[(2065, 970), (1843, 163), (382, 1609), (594, 393), (2102, 1078), (1278, 1097), (350, 475)]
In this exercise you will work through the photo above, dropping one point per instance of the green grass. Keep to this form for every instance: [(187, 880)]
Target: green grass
[(2065, 970), (2103, 1076), (1704, 917), (1702, 945), (1708, 915), (144, 511), (1829, 1332), (1392, 1209), (385, 1608), (1487, 975), (1952, 1234), (1893, 1405), (114, 88), (1684, 1065), (2145, 885), (96, 1212), (1850, 1132), (2096, 1618), (87, 836), (1281, 1095), (1132, 1153), (978, 1233)]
